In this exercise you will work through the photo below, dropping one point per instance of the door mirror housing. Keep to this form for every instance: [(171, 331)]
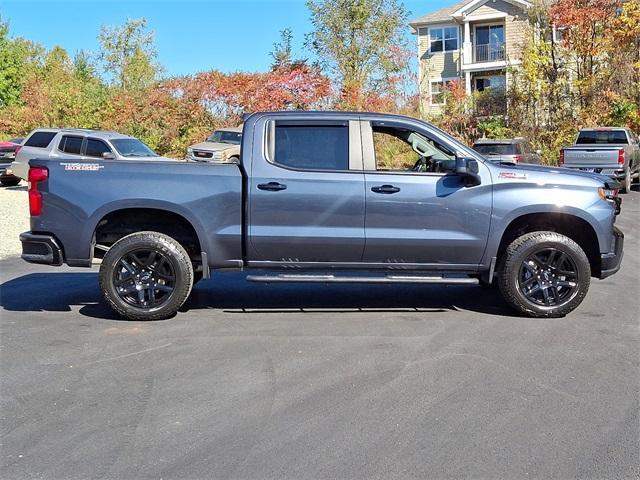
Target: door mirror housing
[(108, 156), (468, 169)]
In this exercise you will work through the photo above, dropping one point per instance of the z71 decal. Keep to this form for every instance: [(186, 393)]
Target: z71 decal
[(85, 167)]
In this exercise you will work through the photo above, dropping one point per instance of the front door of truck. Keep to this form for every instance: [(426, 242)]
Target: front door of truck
[(417, 209), (306, 192)]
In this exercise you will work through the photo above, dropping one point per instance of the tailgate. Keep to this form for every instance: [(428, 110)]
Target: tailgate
[(591, 157)]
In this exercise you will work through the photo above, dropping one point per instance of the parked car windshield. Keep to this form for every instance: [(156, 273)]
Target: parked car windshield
[(132, 147), (225, 136), (591, 137), (495, 149)]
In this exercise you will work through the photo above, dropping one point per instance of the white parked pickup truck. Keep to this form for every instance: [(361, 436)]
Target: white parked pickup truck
[(612, 151)]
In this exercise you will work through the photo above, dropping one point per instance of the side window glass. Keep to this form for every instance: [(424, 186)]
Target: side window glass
[(312, 147), (70, 144), (402, 150), (40, 139), (95, 148)]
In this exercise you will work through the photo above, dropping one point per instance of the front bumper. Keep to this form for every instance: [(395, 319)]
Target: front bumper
[(610, 262), (41, 248)]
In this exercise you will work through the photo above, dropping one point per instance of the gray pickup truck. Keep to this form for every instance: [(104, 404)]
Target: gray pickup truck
[(612, 151), (313, 200)]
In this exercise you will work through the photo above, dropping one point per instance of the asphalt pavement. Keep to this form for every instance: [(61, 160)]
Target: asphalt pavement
[(257, 381)]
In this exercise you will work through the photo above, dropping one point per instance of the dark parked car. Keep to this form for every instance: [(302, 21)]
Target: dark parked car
[(8, 152), (507, 150)]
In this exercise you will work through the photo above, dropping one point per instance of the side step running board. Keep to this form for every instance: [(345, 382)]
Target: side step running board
[(459, 280)]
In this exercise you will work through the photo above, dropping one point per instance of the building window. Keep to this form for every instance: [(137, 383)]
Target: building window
[(443, 39), (436, 95), (558, 34)]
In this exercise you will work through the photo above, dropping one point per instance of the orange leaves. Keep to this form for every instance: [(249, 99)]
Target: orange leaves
[(583, 22)]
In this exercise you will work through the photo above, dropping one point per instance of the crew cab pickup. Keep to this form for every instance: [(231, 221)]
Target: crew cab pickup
[(325, 197), (610, 150)]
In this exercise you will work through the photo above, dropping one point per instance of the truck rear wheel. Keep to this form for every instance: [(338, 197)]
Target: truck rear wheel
[(626, 183), (544, 274), (146, 276)]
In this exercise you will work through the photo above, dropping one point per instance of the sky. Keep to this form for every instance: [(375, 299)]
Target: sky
[(190, 35)]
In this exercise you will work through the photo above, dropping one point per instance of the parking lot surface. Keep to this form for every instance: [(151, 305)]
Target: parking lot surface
[(340, 381)]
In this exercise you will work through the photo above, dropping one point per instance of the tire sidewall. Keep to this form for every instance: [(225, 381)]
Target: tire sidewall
[(172, 251), (510, 276), (627, 181)]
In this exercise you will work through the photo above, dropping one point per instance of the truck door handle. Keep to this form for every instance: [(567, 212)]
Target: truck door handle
[(272, 186), (385, 189)]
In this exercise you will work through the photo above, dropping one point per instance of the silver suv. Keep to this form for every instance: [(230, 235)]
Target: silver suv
[(83, 144)]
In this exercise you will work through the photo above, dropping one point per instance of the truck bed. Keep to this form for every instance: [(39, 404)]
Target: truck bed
[(592, 157), (78, 195)]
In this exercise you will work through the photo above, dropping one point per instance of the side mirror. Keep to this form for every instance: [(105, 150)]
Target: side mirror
[(108, 156), (468, 169)]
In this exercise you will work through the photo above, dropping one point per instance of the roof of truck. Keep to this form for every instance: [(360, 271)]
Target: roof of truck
[(230, 129), (595, 129)]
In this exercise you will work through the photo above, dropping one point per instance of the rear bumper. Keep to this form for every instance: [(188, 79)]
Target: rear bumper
[(610, 262), (41, 248)]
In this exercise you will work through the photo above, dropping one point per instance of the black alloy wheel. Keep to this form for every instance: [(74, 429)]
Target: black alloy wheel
[(144, 278), (548, 277), (544, 274)]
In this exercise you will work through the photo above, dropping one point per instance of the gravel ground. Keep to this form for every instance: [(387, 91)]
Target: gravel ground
[(14, 219)]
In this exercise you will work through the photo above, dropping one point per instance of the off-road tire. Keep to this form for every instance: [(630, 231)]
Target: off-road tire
[(10, 182), (179, 261), (626, 183), (521, 249)]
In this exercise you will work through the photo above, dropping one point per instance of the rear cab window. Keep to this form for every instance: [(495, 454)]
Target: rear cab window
[(40, 139), (312, 146), (70, 144), (602, 137), (95, 148)]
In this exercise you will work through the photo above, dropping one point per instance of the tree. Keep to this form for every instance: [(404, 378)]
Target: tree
[(128, 54), (18, 58), (585, 25), (624, 45), (358, 42), (281, 54)]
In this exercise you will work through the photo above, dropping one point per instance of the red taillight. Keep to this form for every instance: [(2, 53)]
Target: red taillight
[(621, 156), (517, 158), (36, 175), (561, 157)]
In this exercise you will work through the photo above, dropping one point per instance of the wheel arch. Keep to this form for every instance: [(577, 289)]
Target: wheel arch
[(113, 224), (572, 226)]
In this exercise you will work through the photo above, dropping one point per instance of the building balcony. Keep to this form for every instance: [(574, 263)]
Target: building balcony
[(494, 52)]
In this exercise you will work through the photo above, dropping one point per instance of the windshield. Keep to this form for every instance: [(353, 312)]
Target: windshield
[(225, 136), (132, 147), (591, 137), (495, 149)]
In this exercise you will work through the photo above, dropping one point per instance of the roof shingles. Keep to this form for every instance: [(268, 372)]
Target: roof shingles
[(442, 15)]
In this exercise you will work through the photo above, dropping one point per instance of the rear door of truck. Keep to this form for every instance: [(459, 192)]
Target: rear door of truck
[(305, 190), (596, 149)]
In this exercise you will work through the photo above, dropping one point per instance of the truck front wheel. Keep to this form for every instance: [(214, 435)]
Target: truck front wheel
[(146, 276), (544, 274)]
